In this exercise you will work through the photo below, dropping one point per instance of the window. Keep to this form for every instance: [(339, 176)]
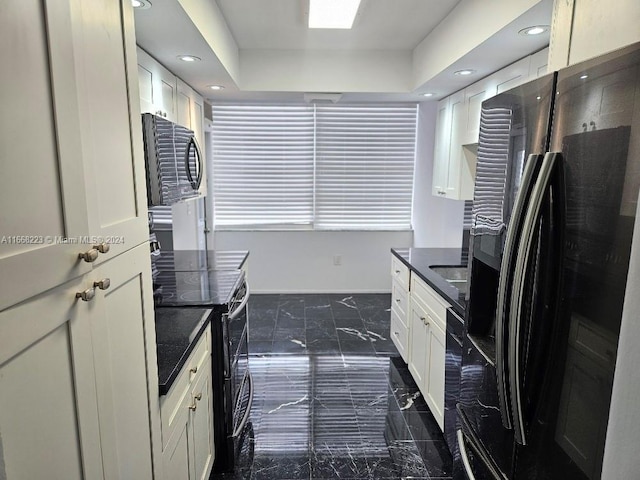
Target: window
[(347, 167)]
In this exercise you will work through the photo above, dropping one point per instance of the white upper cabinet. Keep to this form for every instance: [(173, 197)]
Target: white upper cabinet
[(71, 178), (583, 29), (112, 148), (158, 89), (164, 94), (442, 147), (474, 95), (458, 126)]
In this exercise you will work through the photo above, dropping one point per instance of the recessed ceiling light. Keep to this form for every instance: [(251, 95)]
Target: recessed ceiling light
[(428, 94), (538, 97), (216, 87), (464, 72), (535, 30), (189, 58), (332, 13), (141, 4), (582, 77)]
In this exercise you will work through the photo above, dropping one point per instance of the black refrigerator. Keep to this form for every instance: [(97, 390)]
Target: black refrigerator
[(555, 201)]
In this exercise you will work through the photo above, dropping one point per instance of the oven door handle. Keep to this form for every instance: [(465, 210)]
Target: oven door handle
[(243, 303), (226, 362), (247, 412)]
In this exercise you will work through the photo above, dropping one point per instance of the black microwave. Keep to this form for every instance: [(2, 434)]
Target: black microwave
[(173, 161)]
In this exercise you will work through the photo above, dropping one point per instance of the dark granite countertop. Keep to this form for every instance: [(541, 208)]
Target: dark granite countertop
[(420, 259), (177, 333)]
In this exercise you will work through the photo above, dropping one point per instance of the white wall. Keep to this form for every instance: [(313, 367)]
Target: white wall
[(302, 261), (437, 222)]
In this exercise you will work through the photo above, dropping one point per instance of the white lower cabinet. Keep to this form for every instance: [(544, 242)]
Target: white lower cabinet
[(73, 377), (427, 344), (187, 418)]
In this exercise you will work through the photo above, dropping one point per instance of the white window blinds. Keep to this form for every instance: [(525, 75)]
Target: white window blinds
[(331, 167), (364, 166), (262, 164)]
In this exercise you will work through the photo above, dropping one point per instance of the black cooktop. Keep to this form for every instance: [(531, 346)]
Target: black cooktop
[(191, 260), (197, 288)]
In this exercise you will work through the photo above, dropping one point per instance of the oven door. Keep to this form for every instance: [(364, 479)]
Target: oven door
[(237, 375)]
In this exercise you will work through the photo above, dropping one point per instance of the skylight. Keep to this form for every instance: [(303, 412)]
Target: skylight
[(332, 13)]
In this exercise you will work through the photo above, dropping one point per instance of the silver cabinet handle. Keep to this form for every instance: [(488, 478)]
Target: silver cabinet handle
[(89, 256), (194, 369), (102, 247), (505, 281), (397, 300), (103, 284), (397, 272), (87, 295), (193, 407), (198, 396)]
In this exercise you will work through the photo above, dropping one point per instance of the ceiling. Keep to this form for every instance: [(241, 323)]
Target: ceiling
[(379, 25), (261, 50)]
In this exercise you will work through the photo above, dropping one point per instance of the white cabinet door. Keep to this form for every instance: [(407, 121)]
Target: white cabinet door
[(184, 104), (539, 64), (162, 100), (42, 190), (418, 343), (442, 147), (104, 50), (434, 386), (474, 95), (515, 74), (48, 417), (122, 322), (201, 426), (461, 167), (176, 461)]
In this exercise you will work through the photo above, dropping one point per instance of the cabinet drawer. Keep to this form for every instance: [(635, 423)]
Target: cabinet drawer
[(399, 334), (399, 272), (427, 296), (399, 299), (171, 403)]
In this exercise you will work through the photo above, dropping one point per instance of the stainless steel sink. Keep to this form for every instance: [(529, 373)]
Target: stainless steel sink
[(456, 275)]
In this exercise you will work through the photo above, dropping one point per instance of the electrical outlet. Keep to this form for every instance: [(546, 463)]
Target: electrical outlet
[(337, 260)]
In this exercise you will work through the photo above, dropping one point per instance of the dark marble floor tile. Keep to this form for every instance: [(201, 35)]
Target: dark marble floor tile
[(263, 316), (422, 426), (291, 308), (350, 347), (321, 333), (282, 467), (261, 332), (316, 300), (363, 300), (339, 463), (288, 333), (259, 299), (289, 346), (407, 460), (436, 458), (344, 307), (349, 322), (320, 311), (353, 334), (322, 346), (290, 322), (260, 346)]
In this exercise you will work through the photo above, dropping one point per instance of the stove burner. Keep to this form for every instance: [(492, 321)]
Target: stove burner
[(192, 296)]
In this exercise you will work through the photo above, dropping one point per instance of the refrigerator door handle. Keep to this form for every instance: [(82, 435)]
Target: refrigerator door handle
[(519, 284), (531, 169)]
